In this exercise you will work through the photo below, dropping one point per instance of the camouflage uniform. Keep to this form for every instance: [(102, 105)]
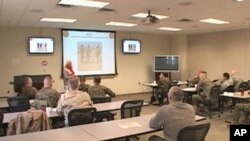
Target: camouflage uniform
[(236, 82), (194, 81), (205, 85), (98, 91), (241, 107), (28, 91), (49, 95), (84, 87)]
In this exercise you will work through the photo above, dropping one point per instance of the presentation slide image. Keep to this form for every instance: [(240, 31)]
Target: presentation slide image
[(89, 56)]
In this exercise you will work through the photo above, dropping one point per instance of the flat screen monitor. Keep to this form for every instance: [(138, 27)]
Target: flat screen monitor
[(166, 63), (131, 46), (91, 52), (41, 45)]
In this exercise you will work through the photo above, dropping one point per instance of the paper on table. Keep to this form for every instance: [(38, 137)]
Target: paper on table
[(129, 125)]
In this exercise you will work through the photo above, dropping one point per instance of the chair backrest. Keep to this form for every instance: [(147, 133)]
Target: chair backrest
[(214, 93), (18, 103), (1, 124), (131, 108), (81, 116), (229, 89), (195, 132), (243, 86), (101, 99)]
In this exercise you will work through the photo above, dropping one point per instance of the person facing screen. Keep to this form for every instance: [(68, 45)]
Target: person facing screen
[(98, 90), (27, 89)]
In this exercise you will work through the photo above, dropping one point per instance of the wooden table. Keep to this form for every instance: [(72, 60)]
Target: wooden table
[(101, 107), (122, 128), (63, 134)]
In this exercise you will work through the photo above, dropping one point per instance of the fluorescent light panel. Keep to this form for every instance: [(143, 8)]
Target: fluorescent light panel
[(143, 15), (60, 20), (121, 24), (84, 3), (169, 28), (214, 21)]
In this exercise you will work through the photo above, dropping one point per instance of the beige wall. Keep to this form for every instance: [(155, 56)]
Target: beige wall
[(15, 60), (219, 52), (178, 46)]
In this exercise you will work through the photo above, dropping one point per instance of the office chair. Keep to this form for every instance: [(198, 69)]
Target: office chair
[(131, 108), (81, 116), (213, 102), (2, 133), (195, 132), (18, 103), (100, 116), (229, 89), (243, 86)]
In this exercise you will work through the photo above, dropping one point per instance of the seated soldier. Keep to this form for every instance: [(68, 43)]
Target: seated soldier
[(163, 86), (72, 98), (27, 89), (83, 86), (245, 109), (99, 91), (47, 94)]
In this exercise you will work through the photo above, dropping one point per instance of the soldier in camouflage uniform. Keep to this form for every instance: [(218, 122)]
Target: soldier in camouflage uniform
[(163, 87), (27, 89), (47, 93), (241, 107), (98, 91), (83, 86)]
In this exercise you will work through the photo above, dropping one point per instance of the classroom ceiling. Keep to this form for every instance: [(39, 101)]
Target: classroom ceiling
[(27, 13)]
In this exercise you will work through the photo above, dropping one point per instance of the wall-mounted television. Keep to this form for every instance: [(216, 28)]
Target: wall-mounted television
[(41, 45), (131, 46), (166, 63)]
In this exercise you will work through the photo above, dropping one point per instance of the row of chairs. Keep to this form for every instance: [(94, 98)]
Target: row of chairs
[(129, 109)]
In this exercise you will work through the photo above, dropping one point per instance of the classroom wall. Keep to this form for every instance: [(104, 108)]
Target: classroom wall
[(178, 46), (132, 69), (219, 52)]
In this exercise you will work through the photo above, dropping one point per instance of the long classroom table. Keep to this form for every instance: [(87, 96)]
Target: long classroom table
[(101, 107), (122, 128)]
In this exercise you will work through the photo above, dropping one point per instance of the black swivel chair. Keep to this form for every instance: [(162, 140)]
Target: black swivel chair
[(2, 132), (243, 86), (195, 132), (131, 108), (81, 116), (213, 101), (100, 116), (18, 103)]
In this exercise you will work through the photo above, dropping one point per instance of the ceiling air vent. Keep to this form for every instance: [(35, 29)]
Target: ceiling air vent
[(185, 20)]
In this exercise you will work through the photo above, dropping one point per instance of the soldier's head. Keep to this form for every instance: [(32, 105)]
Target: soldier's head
[(82, 79), (163, 75), (233, 72), (48, 82), (28, 82), (202, 74), (175, 94), (73, 83), (226, 76), (97, 80)]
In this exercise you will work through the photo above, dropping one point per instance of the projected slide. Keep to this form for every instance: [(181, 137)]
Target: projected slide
[(91, 52)]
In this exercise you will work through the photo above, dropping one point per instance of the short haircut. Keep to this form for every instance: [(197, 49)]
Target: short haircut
[(165, 74), (27, 80), (82, 78), (226, 75), (97, 79), (73, 82), (48, 77), (204, 72), (176, 93)]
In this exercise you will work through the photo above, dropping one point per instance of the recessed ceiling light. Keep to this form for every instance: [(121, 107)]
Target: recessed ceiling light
[(143, 15), (121, 24), (169, 28), (214, 21), (85, 3), (238, 0), (61, 20)]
